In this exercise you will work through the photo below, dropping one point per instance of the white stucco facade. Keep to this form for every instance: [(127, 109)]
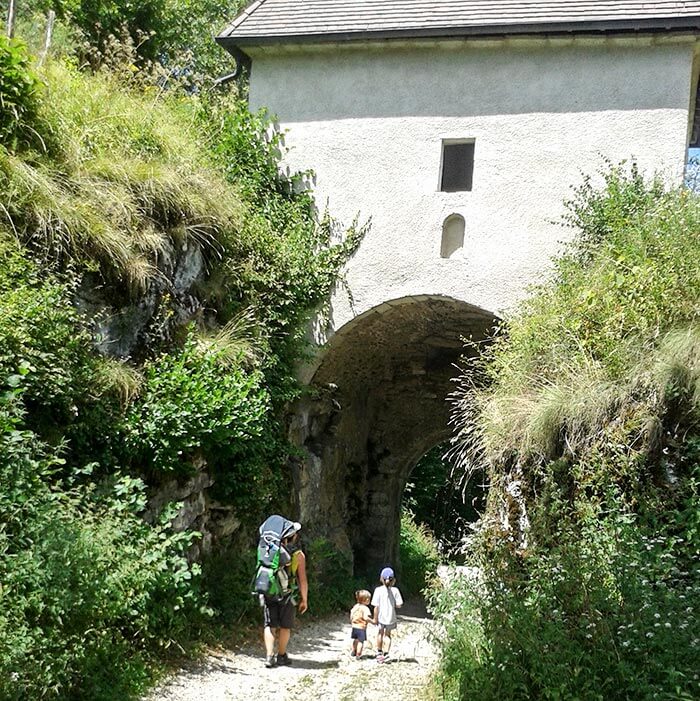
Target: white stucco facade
[(370, 120)]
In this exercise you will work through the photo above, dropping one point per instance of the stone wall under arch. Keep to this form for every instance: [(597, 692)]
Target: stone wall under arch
[(379, 401)]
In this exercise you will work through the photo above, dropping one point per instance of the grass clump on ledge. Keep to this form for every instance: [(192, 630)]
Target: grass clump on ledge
[(118, 179), (585, 414), (584, 347)]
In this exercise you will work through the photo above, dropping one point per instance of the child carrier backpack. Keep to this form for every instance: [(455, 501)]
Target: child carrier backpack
[(271, 578)]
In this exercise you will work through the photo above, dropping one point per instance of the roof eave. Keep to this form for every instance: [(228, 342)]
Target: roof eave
[(654, 25)]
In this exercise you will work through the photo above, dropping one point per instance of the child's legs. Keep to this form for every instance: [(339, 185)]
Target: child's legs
[(358, 638), (387, 641), (380, 639)]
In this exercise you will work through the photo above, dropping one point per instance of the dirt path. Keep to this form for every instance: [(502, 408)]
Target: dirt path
[(322, 668)]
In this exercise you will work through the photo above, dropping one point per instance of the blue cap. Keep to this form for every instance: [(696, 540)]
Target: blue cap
[(387, 573)]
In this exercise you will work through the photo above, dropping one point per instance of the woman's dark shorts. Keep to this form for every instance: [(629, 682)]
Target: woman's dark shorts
[(278, 614), (359, 634)]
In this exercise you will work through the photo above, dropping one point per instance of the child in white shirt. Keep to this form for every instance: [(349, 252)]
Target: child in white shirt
[(386, 599)]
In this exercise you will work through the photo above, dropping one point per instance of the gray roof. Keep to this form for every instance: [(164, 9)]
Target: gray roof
[(292, 21)]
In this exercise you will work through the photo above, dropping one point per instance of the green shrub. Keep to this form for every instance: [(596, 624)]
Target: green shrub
[(607, 609), (588, 424), (45, 347), (283, 263), (331, 584), (456, 602), (89, 590), (100, 21), (227, 576), (195, 402), (171, 38), (199, 403), (418, 553), (19, 95)]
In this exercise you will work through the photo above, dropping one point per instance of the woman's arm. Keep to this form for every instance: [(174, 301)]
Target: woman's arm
[(303, 583)]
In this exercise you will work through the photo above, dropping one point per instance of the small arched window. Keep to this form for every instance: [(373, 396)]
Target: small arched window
[(452, 235)]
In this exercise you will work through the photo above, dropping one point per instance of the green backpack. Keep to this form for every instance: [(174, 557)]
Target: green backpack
[(271, 577)]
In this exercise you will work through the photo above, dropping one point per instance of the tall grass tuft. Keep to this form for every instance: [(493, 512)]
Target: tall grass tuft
[(117, 376), (581, 347), (237, 341), (122, 179)]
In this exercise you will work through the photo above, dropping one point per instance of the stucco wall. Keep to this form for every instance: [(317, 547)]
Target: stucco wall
[(370, 121)]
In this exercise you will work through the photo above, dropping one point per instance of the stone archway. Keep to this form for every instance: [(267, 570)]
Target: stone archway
[(379, 402)]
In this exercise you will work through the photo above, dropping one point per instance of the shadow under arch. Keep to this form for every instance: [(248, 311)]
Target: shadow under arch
[(379, 402)]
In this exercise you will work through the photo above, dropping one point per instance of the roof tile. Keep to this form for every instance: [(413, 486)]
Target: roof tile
[(268, 21)]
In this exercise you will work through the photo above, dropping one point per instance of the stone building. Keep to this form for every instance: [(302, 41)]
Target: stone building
[(458, 128)]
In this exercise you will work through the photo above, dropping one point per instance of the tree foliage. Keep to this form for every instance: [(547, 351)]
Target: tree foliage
[(438, 499), (589, 428), (172, 38), (19, 87)]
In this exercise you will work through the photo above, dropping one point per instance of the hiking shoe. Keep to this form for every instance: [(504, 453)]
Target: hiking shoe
[(380, 658), (353, 654), (270, 661), (283, 660)]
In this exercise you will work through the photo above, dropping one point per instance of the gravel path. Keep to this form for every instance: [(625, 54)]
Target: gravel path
[(322, 668)]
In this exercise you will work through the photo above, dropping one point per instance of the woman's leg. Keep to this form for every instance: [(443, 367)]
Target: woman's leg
[(269, 637), (283, 640)]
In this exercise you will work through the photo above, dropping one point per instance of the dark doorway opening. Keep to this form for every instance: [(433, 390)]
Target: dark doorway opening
[(439, 496)]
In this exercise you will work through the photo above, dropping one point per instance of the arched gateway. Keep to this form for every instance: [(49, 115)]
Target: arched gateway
[(458, 129), (381, 386)]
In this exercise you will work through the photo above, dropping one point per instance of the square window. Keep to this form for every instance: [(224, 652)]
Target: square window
[(457, 166)]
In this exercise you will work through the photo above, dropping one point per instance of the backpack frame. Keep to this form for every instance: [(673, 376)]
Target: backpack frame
[(271, 579)]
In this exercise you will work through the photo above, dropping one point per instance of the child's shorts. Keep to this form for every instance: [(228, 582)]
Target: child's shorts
[(386, 627), (359, 634)]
